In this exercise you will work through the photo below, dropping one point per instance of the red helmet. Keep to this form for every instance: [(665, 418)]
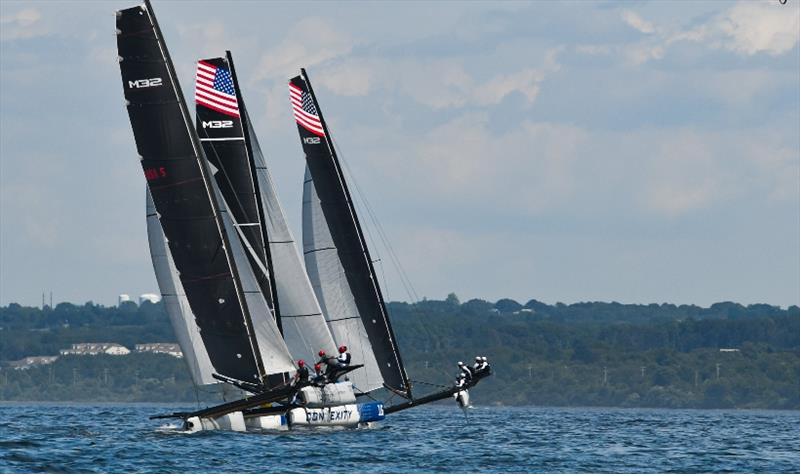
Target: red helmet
[(342, 349), (301, 362), (322, 353), (317, 366)]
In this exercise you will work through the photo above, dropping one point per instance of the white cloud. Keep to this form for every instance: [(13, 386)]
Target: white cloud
[(636, 22), (438, 84), (747, 28), (524, 170), (681, 176), (21, 25), (311, 41), (755, 27)]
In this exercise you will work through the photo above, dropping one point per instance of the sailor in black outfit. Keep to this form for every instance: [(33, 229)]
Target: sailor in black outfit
[(301, 376), (485, 367), (478, 365), (319, 377), (343, 361), (465, 370)]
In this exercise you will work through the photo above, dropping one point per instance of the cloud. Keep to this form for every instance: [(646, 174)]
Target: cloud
[(755, 27), (22, 25), (311, 41), (636, 22), (438, 84), (746, 28), (463, 164)]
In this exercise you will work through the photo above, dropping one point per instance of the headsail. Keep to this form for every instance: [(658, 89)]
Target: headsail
[(192, 216), (336, 253), (230, 143)]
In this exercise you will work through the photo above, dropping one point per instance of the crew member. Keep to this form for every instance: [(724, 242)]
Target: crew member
[(343, 361), (465, 370), (485, 364), (478, 365), (461, 380), (319, 376), (301, 376), (341, 364)]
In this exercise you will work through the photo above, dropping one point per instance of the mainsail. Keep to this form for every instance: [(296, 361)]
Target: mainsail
[(229, 141), (176, 303), (337, 258), (222, 291)]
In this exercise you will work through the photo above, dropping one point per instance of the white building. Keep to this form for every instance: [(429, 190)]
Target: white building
[(160, 348), (123, 298), (28, 362), (151, 297), (94, 348)]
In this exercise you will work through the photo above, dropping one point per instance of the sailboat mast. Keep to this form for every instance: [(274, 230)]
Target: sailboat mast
[(359, 231), (261, 217), (206, 173)]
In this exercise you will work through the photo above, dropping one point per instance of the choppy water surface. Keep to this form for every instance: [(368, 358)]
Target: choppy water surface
[(120, 438)]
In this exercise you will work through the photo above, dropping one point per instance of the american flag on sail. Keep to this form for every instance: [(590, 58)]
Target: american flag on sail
[(305, 113), (214, 89)]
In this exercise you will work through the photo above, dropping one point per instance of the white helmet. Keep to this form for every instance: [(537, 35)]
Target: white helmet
[(461, 375), (460, 363), (483, 359), (478, 358)]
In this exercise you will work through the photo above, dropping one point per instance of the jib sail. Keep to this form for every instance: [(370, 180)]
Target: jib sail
[(175, 302)]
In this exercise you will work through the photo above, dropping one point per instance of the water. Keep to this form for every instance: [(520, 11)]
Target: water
[(120, 438)]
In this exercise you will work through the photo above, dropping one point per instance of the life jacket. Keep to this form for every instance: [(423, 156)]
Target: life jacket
[(302, 374), (344, 359)]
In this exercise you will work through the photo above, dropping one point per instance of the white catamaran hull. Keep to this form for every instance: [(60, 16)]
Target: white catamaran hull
[(230, 422), (343, 415)]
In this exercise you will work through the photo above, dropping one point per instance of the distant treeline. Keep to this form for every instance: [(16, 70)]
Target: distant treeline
[(589, 354)]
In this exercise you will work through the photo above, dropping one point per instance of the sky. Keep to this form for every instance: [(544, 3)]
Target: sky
[(639, 152)]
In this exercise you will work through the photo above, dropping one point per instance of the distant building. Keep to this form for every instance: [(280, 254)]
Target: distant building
[(28, 362), (160, 348), (151, 297), (123, 298), (728, 350), (94, 348)]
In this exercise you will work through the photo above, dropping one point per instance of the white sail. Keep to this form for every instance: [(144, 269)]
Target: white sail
[(333, 291), (175, 302), (274, 353), (304, 328)]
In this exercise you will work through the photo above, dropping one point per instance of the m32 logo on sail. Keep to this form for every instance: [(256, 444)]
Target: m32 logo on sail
[(142, 83), (218, 124)]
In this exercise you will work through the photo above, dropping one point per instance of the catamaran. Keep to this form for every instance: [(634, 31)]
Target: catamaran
[(243, 306)]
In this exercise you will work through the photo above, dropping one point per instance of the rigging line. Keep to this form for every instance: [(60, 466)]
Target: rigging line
[(361, 392), (428, 383), (405, 280)]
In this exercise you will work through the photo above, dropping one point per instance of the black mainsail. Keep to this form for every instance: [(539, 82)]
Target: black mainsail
[(218, 283), (337, 258), (225, 143), (230, 143)]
